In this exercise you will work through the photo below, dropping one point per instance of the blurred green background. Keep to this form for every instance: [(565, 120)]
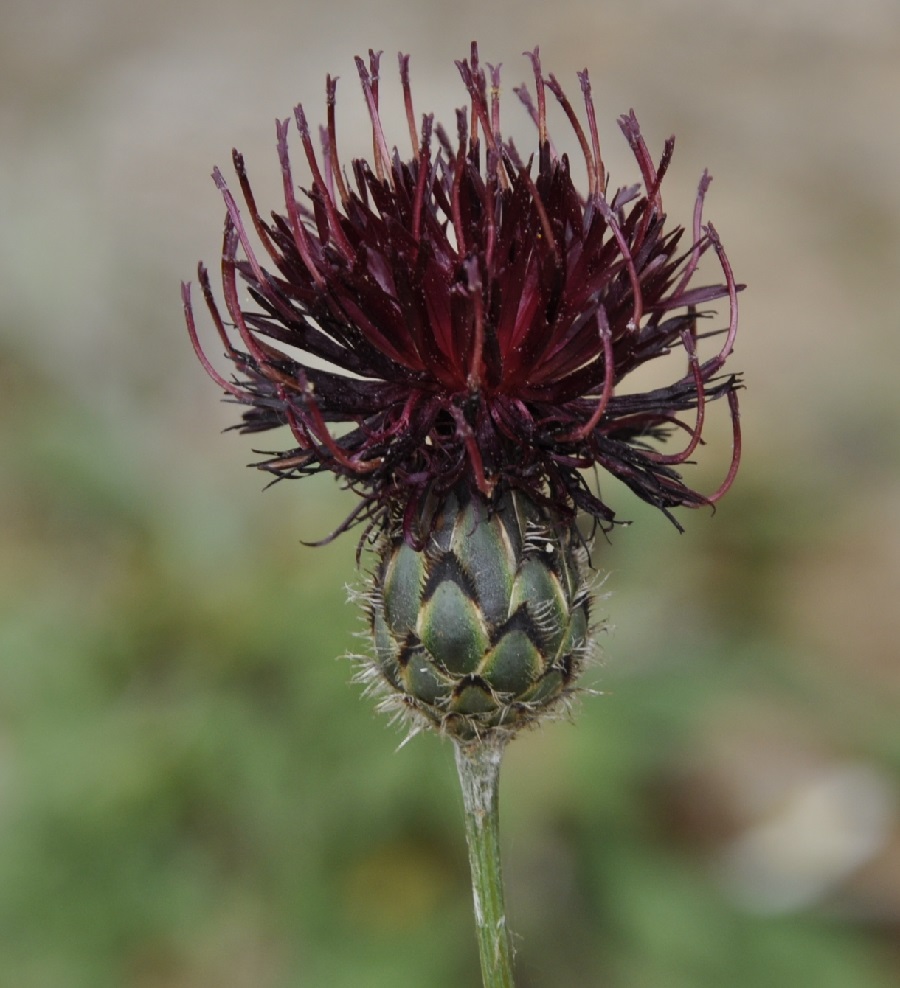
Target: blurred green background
[(191, 793)]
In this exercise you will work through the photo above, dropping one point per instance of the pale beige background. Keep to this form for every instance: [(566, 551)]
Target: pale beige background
[(113, 113)]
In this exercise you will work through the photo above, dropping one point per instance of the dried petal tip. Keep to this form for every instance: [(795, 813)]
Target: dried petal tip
[(461, 321)]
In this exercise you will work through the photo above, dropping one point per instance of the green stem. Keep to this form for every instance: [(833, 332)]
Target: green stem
[(478, 765)]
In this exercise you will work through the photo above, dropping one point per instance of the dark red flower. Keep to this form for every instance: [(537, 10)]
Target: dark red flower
[(465, 318)]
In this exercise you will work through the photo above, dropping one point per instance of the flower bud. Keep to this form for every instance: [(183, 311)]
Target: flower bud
[(486, 628)]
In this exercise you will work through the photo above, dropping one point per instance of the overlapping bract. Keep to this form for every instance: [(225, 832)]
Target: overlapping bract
[(488, 628), (462, 319)]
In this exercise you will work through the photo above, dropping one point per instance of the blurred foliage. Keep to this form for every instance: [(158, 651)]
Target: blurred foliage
[(191, 794)]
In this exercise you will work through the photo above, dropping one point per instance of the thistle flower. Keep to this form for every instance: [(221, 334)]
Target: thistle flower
[(447, 333)]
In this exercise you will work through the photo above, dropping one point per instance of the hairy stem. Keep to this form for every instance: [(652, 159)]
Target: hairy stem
[(478, 765)]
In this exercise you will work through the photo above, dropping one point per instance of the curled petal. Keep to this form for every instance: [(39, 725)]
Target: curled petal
[(467, 316)]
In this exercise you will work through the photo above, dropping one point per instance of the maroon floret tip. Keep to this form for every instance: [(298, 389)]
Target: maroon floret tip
[(464, 318)]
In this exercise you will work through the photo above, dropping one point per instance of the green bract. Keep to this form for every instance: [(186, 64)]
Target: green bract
[(487, 626)]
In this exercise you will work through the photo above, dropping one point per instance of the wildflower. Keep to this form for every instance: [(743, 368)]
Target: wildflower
[(447, 334)]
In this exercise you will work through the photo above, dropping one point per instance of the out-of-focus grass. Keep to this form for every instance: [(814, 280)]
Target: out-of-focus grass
[(188, 795), (191, 794)]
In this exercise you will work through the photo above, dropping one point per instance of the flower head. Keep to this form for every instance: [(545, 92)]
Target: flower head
[(462, 319)]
